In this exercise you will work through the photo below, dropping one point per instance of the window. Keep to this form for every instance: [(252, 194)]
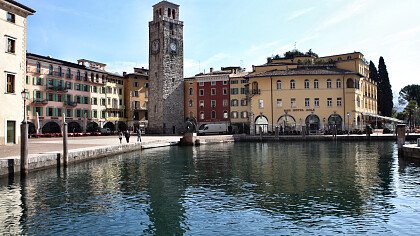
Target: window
[(234, 114), (316, 102), (244, 81), (225, 115), (136, 84), (201, 92), (306, 83), (50, 111), (244, 114), (234, 82), (244, 90), (244, 102), (200, 83), (11, 17), (213, 83), (278, 84), (234, 91), (191, 91), (225, 82), (213, 91), (225, 91), (358, 101), (146, 85), (261, 103), (339, 102), (316, 84), (279, 102), (338, 83), (190, 103), (92, 77), (307, 102), (292, 84), (201, 103), (11, 43), (50, 97), (329, 102), (59, 71), (213, 103), (202, 115), (234, 102), (68, 73), (38, 81), (50, 69), (78, 75), (225, 102), (38, 67), (10, 83), (293, 102), (213, 114), (329, 84)]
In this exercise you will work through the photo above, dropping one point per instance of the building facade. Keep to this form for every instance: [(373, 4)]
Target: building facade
[(136, 98), (319, 94), (84, 94), (239, 100), (166, 64), (12, 68)]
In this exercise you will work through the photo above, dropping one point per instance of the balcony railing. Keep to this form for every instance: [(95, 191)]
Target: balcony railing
[(57, 88), (40, 101), (70, 103)]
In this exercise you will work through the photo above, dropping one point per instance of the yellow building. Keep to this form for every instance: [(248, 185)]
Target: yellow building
[(136, 86), (114, 112), (239, 100), (316, 93), (190, 99)]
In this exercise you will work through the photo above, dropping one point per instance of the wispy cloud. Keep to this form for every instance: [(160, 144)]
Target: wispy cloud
[(299, 13), (406, 35)]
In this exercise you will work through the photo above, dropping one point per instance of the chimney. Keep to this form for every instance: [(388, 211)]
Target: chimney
[(211, 69)]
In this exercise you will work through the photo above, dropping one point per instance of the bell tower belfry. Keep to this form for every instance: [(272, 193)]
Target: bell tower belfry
[(166, 70)]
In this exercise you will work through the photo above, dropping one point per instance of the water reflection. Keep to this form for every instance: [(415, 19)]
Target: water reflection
[(264, 188)]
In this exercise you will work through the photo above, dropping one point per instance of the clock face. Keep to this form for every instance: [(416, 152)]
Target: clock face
[(173, 46), (155, 45)]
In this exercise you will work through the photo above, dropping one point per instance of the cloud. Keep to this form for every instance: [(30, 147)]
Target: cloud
[(192, 66), (299, 13), (124, 66), (406, 35)]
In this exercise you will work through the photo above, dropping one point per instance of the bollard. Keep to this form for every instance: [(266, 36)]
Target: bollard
[(260, 129), (65, 147), (277, 132), (400, 136), (304, 131), (24, 148), (418, 142)]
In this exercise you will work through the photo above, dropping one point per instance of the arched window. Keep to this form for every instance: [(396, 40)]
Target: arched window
[(38, 67), (86, 76), (190, 103), (202, 115), (338, 83), (97, 78), (50, 69), (292, 84), (92, 77), (255, 89), (306, 83), (278, 84), (350, 83), (68, 74), (59, 71), (213, 114), (78, 75), (191, 91), (316, 84), (329, 83), (173, 13)]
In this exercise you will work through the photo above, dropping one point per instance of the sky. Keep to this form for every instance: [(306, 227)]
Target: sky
[(220, 33)]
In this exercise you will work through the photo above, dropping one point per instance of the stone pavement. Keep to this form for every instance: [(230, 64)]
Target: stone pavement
[(46, 145)]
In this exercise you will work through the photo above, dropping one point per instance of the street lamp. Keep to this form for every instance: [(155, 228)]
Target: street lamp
[(24, 137)]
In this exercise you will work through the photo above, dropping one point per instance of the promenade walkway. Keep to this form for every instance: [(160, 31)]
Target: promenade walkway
[(48, 145)]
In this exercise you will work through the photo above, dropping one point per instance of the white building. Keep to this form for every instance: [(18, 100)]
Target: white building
[(12, 68)]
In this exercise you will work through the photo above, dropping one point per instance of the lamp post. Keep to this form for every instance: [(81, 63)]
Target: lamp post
[(24, 137)]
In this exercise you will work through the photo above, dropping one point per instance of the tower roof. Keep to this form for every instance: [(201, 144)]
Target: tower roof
[(165, 3)]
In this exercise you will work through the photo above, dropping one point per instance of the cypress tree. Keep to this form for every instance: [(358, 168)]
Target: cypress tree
[(373, 72), (385, 103)]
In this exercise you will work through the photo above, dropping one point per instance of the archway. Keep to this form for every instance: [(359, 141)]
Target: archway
[(110, 126), (51, 127), (286, 123), (92, 127), (350, 83), (261, 122), (312, 123), (335, 120), (74, 127)]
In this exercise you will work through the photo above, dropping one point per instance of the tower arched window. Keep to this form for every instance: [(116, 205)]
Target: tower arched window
[(306, 83)]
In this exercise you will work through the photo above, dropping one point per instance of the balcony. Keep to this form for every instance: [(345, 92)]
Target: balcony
[(57, 88), (39, 102), (70, 103)]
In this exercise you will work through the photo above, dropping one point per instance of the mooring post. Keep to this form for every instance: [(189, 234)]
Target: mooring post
[(277, 132), (400, 137), (24, 166), (65, 147), (304, 131), (261, 132)]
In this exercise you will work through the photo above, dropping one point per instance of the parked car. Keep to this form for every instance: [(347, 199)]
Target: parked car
[(213, 129), (105, 131)]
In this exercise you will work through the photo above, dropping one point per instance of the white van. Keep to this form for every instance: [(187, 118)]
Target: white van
[(213, 129)]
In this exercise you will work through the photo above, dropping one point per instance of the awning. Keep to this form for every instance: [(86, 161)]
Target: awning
[(383, 117)]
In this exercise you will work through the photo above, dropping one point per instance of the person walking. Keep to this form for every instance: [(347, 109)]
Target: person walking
[(120, 136), (127, 136), (138, 135)]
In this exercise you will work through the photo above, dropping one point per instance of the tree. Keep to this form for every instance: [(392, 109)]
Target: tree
[(385, 103), (373, 72), (408, 93)]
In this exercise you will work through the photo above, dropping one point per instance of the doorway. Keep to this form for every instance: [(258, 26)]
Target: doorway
[(11, 132)]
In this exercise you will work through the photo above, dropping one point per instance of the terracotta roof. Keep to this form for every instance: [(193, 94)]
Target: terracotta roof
[(302, 71)]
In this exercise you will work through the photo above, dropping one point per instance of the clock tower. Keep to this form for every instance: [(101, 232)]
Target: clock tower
[(166, 68)]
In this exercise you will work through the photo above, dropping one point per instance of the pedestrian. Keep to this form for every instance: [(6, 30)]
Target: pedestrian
[(127, 136), (120, 136), (138, 135)]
